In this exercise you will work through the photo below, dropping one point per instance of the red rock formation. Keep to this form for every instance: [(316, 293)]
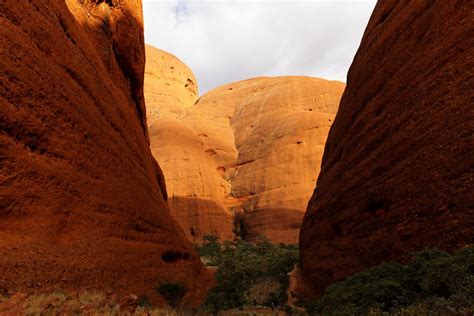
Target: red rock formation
[(82, 200), (280, 126), (195, 187), (398, 164), (243, 155)]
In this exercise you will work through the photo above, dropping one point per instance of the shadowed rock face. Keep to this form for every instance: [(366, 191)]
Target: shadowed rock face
[(241, 158), (397, 168), (82, 201)]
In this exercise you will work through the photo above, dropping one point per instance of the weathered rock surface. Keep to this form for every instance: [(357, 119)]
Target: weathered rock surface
[(169, 83), (194, 185), (241, 159), (398, 164), (82, 201), (280, 126)]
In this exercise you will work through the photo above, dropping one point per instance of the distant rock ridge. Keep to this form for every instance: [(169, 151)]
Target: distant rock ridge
[(241, 159), (82, 200)]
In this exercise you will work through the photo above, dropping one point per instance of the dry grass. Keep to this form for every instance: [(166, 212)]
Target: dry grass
[(84, 303), (94, 303), (262, 289)]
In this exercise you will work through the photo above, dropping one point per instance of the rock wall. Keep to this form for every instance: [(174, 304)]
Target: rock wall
[(82, 200), (397, 168), (280, 127), (194, 185), (240, 159)]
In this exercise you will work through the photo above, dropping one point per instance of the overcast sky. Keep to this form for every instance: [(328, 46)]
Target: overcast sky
[(230, 40)]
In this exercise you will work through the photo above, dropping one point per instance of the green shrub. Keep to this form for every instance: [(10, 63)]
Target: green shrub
[(144, 302), (210, 246), (433, 281), (172, 292), (248, 274)]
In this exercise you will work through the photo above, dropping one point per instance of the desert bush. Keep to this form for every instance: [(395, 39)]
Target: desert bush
[(172, 292), (243, 269), (210, 247), (263, 290), (433, 283), (144, 302)]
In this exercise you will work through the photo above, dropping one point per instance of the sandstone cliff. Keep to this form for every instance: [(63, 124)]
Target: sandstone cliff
[(241, 158), (279, 128), (397, 167), (82, 201), (193, 182)]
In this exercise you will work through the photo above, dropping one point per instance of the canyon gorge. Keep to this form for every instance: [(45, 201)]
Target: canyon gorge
[(113, 167), (241, 159)]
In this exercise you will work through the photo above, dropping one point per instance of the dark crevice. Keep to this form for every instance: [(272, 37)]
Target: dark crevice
[(375, 203), (189, 83), (211, 152), (136, 87), (337, 229), (384, 16), (171, 256), (244, 163), (110, 3), (66, 31), (240, 227), (161, 179), (34, 141)]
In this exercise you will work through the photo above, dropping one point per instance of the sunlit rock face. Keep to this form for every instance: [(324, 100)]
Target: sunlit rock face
[(82, 200), (243, 158), (170, 85), (397, 168), (195, 187), (279, 128)]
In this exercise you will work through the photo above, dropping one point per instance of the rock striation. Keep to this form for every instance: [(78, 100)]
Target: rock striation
[(279, 128), (397, 168), (82, 200), (240, 159)]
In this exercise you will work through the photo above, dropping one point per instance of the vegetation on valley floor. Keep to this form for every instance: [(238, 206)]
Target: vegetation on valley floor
[(248, 274), (433, 283), (251, 276)]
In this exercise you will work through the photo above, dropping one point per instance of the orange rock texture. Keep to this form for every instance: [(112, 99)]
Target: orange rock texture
[(279, 128), (397, 168), (241, 158), (193, 183), (82, 200)]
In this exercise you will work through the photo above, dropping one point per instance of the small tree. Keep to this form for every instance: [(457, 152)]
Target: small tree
[(262, 291), (210, 247)]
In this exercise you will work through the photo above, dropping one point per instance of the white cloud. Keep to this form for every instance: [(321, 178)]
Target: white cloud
[(230, 40)]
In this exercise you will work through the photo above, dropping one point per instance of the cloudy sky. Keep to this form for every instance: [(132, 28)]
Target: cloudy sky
[(229, 40)]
